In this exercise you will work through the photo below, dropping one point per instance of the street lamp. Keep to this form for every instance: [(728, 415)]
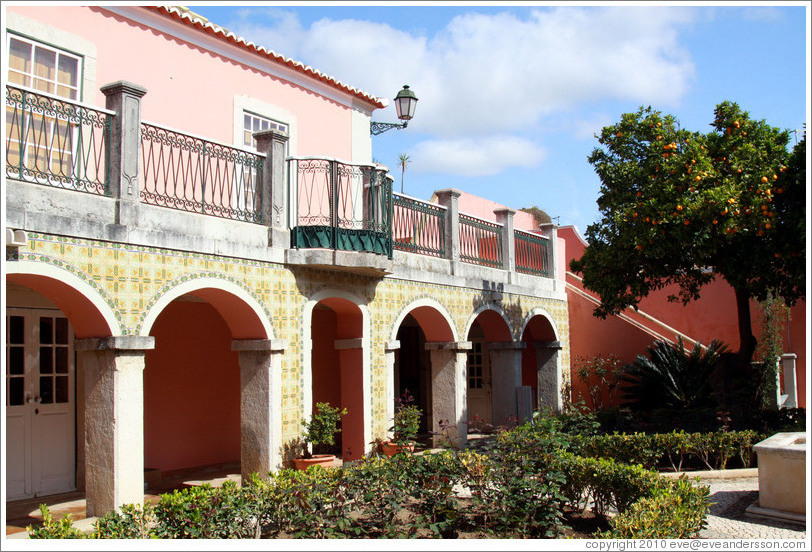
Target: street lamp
[(405, 103)]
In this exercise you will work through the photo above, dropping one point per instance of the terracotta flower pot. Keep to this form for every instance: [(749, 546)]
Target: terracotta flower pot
[(390, 448), (323, 460)]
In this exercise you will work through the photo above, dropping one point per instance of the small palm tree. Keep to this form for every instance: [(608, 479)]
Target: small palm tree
[(403, 160), (672, 377)]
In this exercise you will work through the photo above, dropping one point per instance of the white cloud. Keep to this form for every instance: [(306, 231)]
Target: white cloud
[(586, 129), (762, 13), (494, 74), (472, 157)]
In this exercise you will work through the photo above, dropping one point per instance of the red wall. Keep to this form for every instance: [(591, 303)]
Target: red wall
[(712, 316), (191, 390)]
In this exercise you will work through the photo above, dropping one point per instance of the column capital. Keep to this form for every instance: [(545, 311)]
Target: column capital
[(447, 193), (269, 135), (547, 345), (116, 343), (391, 346), (506, 345), (455, 346), (354, 343), (272, 345)]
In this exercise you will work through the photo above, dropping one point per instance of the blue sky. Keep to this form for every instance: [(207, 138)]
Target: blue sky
[(511, 96)]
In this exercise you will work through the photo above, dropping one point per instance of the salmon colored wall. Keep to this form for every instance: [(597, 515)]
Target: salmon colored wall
[(352, 398), (191, 390), (712, 316), (326, 365), (484, 209), (170, 68)]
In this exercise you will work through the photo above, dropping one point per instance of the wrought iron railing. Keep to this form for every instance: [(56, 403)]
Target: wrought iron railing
[(57, 142), (336, 205), (480, 241), (532, 254), (192, 174), (418, 226)]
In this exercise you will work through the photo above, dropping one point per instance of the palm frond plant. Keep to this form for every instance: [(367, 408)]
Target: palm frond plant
[(671, 377)]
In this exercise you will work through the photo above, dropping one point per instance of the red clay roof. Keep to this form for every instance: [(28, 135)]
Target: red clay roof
[(189, 18)]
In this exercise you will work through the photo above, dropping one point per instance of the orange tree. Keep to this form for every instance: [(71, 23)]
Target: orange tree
[(682, 207)]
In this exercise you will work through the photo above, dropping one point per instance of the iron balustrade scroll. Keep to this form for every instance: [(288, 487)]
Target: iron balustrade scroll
[(336, 205), (532, 253), (57, 142), (480, 241), (184, 172), (418, 226)]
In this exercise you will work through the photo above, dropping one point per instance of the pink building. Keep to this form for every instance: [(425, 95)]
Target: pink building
[(200, 249)]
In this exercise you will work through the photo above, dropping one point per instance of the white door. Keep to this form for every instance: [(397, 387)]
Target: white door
[(40, 417), (479, 385)]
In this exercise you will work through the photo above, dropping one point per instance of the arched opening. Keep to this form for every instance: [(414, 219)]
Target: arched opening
[(337, 364), (428, 364), (45, 411), (191, 392), (491, 381), (541, 371), (192, 382)]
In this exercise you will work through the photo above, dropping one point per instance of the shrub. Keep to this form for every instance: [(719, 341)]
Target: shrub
[(61, 529), (675, 510), (205, 512), (322, 427), (670, 378), (132, 522)]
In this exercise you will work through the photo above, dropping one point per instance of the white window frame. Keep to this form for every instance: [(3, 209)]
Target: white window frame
[(59, 52)]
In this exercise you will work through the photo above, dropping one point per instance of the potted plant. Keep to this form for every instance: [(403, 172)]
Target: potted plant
[(320, 430), (405, 426)]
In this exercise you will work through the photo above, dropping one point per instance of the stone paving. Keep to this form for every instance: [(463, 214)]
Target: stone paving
[(727, 518)]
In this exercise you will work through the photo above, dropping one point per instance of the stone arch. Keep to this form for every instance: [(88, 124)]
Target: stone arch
[(496, 332), (336, 364), (431, 313), (88, 309), (541, 360), (239, 307)]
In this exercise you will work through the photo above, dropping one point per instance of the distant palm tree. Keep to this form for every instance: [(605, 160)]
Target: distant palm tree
[(404, 160)]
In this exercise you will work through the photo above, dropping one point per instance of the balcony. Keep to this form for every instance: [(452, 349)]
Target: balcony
[(145, 184)]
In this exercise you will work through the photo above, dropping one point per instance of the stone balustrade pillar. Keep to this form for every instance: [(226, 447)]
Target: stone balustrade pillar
[(125, 99), (790, 380), (450, 200), (114, 420), (550, 231), (260, 405), (274, 186), (505, 218)]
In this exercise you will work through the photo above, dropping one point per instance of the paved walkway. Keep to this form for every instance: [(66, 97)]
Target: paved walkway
[(730, 497)]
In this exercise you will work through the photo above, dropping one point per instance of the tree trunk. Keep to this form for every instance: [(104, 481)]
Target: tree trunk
[(747, 341)]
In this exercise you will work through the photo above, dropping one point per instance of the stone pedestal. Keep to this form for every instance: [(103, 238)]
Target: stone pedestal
[(781, 478)]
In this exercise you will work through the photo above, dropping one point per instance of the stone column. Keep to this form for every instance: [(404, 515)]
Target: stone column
[(506, 378), (450, 200), (790, 382), (390, 351), (260, 405), (125, 140), (274, 186), (114, 420), (449, 389), (549, 375), (505, 218)]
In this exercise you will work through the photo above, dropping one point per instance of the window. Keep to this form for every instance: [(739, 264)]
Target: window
[(475, 376), (254, 123), (41, 142), (43, 68)]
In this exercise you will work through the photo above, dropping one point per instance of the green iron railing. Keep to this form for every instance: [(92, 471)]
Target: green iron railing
[(192, 174), (340, 206), (57, 142), (532, 254), (480, 241), (418, 226)]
